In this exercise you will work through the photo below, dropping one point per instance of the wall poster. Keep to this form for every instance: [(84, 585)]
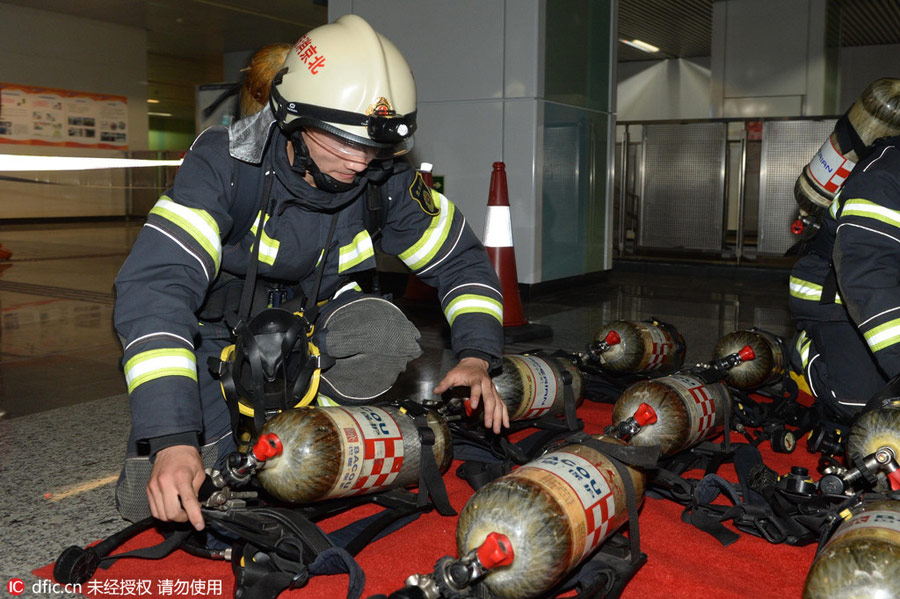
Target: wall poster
[(57, 117)]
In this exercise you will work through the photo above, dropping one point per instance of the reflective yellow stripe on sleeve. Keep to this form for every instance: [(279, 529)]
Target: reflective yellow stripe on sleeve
[(157, 363), (359, 250), (196, 223), (268, 247), (884, 335), (424, 250), (867, 209), (471, 303)]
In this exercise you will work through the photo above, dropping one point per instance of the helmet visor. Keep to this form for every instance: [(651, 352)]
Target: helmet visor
[(388, 133), (341, 148)]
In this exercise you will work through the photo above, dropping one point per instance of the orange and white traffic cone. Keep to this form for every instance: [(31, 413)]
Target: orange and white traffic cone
[(498, 242)]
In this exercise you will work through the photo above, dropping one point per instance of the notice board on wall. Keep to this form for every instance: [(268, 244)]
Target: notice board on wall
[(57, 117)]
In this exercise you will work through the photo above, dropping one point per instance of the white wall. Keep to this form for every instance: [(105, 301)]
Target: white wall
[(768, 58), (863, 65), (46, 49), (663, 89), (477, 65), (680, 89)]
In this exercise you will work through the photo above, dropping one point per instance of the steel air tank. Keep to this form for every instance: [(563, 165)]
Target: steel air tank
[(861, 560), (687, 409), (768, 365), (633, 347), (338, 451), (533, 386), (555, 510), (872, 431), (876, 113)]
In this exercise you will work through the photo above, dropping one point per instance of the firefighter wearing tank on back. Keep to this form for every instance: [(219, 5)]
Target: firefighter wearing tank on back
[(342, 112), (845, 294)]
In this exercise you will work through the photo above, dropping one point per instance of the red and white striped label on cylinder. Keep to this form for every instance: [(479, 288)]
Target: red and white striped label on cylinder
[(659, 347), (583, 493), (888, 520), (829, 168), (372, 447), (699, 399), (538, 386)]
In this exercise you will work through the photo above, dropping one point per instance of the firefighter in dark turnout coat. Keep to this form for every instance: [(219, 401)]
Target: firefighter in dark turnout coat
[(845, 294), (342, 113)]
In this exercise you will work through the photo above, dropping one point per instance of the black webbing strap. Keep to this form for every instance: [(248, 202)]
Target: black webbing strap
[(246, 304), (829, 286), (845, 132), (622, 456), (431, 482), (312, 311), (172, 541)]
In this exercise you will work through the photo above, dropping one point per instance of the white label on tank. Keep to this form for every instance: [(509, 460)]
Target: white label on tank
[(542, 385), (829, 168), (659, 347), (699, 399), (373, 450), (887, 519), (597, 504)]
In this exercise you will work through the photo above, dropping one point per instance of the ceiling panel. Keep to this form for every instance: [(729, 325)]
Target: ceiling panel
[(186, 38)]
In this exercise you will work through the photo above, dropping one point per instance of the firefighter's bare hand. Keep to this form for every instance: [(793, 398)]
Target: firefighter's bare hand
[(472, 372), (174, 483)]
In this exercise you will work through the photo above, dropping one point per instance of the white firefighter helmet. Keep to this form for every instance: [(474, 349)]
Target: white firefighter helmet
[(348, 80)]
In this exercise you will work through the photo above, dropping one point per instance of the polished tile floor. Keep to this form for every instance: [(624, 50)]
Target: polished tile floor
[(65, 415)]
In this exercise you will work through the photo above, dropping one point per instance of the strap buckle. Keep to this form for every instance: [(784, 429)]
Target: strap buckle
[(766, 527)]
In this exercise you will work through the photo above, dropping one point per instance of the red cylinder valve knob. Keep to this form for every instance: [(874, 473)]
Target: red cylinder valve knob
[(894, 479), (495, 551), (613, 338), (645, 414), (747, 353), (797, 227), (267, 446)]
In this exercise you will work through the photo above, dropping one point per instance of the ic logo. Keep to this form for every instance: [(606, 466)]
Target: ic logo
[(15, 586)]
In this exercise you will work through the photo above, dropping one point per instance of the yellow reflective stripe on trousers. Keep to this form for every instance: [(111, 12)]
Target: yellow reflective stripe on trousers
[(359, 250), (884, 335), (802, 346), (268, 248), (196, 223), (157, 363), (805, 290), (867, 209), (424, 250), (470, 303)]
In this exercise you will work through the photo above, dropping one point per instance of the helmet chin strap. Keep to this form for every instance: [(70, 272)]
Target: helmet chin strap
[(304, 164)]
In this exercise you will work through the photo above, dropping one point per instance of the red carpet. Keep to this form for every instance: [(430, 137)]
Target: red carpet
[(683, 562)]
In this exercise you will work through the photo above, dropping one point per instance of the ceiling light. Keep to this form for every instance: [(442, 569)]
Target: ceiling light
[(159, 114), (152, 101), (640, 45)]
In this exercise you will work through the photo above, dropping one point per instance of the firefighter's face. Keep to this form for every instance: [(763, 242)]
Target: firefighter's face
[(335, 157)]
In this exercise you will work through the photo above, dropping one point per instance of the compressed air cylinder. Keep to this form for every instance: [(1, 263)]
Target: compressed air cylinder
[(687, 410), (767, 366), (642, 347), (861, 560), (339, 451), (874, 430), (876, 113), (532, 386), (554, 510)]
